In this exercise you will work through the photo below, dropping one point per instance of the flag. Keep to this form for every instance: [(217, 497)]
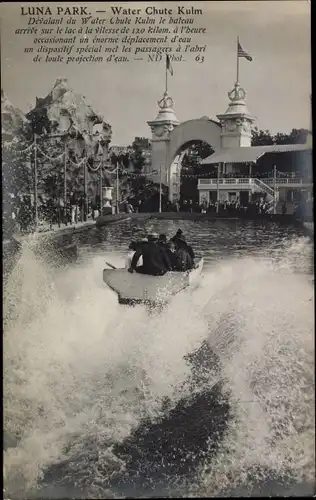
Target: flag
[(242, 53), (168, 64)]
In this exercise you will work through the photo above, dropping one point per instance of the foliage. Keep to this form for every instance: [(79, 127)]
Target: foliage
[(296, 136), (145, 191), (265, 138), (130, 163), (201, 150), (191, 166), (17, 177), (138, 159), (261, 137), (141, 143)]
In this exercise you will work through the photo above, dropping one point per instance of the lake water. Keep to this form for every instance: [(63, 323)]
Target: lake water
[(214, 396)]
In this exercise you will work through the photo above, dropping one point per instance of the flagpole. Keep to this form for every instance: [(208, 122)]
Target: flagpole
[(160, 189), (117, 188), (166, 89), (237, 80), (35, 184)]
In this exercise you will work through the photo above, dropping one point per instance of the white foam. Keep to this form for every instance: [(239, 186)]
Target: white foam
[(77, 364)]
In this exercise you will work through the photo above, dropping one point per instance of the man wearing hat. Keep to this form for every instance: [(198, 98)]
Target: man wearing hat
[(180, 242), (134, 245), (155, 259)]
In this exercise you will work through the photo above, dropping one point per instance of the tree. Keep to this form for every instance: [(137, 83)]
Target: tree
[(261, 137), (141, 143), (138, 158), (17, 176), (191, 168), (201, 150), (265, 138), (296, 136)]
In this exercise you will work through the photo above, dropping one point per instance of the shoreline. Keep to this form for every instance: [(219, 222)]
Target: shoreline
[(103, 220), (69, 229)]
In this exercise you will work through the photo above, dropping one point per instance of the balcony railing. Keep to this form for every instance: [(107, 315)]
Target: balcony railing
[(288, 180), (228, 181), (250, 180)]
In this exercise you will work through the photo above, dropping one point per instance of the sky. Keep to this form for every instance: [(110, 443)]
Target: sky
[(278, 80)]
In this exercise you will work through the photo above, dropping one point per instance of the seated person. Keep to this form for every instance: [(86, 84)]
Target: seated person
[(184, 261), (170, 249), (180, 242), (155, 259), (171, 252), (162, 240), (134, 245), (178, 234)]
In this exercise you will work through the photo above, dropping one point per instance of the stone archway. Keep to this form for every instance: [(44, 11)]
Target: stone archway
[(186, 133), (200, 129), (169, 136)]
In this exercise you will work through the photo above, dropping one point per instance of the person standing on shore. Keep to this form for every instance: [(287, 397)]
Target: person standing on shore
[(95, 212), (284, 209)]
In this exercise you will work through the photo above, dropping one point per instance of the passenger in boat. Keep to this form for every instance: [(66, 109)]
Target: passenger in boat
[(134, 245), (132, 249), (155, 259), (171, 251), (180, 242), (178, 234), (169, 248), (184, 261), (162, 240)]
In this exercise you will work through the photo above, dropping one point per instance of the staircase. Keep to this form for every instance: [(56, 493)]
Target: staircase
[(267, 189)]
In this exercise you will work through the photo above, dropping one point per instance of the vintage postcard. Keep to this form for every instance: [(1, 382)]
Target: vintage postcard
[(158, 235)]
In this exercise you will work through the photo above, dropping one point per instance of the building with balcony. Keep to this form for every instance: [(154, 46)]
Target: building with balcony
[(237, 163), (230, 185)]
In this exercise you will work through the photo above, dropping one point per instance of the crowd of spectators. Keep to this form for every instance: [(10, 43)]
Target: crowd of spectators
[(223, 207), (19, 214)]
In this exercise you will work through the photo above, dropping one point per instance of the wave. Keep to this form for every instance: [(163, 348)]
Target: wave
[(87, 380)]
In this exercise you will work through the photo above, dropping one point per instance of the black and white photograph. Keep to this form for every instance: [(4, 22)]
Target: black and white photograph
[(158, 246)]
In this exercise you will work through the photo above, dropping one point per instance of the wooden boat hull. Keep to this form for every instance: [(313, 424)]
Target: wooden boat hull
[(144, 289)]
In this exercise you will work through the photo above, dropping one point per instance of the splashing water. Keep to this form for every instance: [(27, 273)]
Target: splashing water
[(82, 373), (268, 371)]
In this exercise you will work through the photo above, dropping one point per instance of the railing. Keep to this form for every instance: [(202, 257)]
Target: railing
[(227, 181), (290, 180), (249, 180)]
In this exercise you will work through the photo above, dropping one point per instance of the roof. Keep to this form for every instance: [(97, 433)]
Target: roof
[(250, 154)]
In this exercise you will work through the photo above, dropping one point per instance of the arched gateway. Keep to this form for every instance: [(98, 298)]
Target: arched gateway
[(200, 129), (170, 137)]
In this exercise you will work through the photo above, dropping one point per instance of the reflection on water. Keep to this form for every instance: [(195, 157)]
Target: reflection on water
[(213, 396)]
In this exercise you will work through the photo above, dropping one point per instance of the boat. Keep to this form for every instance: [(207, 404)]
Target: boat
[(134, 288)]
